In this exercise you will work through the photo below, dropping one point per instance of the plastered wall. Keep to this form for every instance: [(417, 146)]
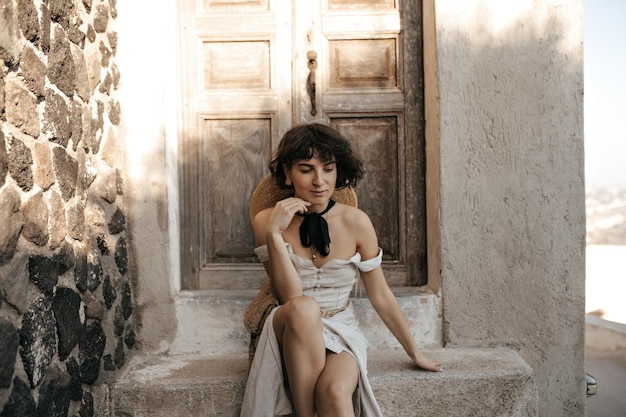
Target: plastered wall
[(512, 209)]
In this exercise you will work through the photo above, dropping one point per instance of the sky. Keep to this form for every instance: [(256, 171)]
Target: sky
[(605, 91)]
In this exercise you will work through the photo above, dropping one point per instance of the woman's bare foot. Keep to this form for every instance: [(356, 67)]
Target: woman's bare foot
[(427, 363)]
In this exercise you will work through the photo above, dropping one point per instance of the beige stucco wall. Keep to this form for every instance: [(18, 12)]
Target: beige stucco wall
[(510, 141), (147, 53), (510, 78)]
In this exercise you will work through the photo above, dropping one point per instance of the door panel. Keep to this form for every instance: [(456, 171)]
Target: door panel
[(361, 4), (234, 102), (365, 99), (362, 63), (233, 154), (244, 84), (375, 140), (236, 65), (235, 5)]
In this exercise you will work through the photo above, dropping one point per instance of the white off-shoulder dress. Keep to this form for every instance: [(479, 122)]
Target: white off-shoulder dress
[(330, 285)]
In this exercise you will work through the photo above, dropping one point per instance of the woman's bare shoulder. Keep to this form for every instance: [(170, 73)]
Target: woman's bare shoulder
[(262, 216), (354, 216), (359, 225)]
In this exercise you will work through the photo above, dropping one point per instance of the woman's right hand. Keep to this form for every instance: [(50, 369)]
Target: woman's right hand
[(284, 211)]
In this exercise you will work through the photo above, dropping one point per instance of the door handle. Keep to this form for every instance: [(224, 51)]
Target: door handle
[(310, 80)]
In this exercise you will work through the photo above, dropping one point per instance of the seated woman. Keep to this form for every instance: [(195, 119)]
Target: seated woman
[(313, 250)]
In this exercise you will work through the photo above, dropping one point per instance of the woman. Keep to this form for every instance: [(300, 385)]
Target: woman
[(313, 250)]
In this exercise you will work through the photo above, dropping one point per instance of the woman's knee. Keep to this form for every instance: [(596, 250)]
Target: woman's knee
[(302, 312), (298, 317), (333, 394)]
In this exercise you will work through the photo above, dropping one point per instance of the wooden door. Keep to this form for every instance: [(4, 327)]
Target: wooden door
[(244, 70)]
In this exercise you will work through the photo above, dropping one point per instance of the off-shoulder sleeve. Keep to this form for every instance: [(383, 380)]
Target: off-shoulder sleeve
[(370, 264), (262, 253)]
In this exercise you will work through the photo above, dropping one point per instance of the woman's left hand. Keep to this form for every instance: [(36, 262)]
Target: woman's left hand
[(426, 363)]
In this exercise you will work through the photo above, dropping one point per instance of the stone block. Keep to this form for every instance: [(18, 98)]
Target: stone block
[(35, 212), (87, 173), (117, 224), (88, 271), (76, 122), (87, 4), (28, 19), (43, 272), (101, 18), (33, 71), (21, 108), (475, 382), (9, 32), (106, 185), (8, 352), (54, 394), (10, 224), (56, 121), (211, 322), (90, 350), (20, 160), (114, 112), (75, 34), (121, 255), (61, 70), (93, 307), (75, 215), (70, 318), (108, 292), (66, 171), (60, 11), (37, 340), (3, 154), (83, 84), (43, 174), (46, 24), (15, 286), (21, 402), (57, 223)]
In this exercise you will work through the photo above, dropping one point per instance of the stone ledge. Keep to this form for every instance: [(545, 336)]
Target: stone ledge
[(211, 322), (476, 382)]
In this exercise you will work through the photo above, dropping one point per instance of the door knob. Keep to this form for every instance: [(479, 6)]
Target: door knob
[(311, 57)]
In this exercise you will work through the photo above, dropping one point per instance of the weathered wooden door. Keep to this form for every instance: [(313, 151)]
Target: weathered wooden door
[(252, 69)]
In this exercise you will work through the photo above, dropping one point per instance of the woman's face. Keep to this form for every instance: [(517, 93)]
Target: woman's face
[(313, 180)]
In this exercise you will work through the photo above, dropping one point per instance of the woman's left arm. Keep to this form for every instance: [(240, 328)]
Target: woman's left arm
[(383, 299)]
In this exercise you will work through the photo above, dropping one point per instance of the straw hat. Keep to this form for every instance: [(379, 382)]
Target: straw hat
[(267, 193)]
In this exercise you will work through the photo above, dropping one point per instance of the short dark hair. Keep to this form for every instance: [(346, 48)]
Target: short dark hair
[(316, 140)]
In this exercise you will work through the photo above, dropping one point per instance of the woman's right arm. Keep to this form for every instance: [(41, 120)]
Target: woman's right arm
[(268, 228)]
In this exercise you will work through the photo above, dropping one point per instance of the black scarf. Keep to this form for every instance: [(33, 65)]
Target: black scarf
[(314, 230)]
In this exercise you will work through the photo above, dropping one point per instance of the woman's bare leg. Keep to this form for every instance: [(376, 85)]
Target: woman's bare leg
[(298, 327), (336, 385)]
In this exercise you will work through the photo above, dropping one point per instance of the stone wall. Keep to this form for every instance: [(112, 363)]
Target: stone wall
[(65, 299)]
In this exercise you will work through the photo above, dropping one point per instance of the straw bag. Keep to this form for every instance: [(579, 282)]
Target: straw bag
[(256, 314), (260, 307)]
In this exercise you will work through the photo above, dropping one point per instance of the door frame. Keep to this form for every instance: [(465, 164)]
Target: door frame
[(430, 124)]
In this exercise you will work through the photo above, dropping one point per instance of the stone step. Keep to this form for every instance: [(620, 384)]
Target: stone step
[(211, 322), (475, 382)]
